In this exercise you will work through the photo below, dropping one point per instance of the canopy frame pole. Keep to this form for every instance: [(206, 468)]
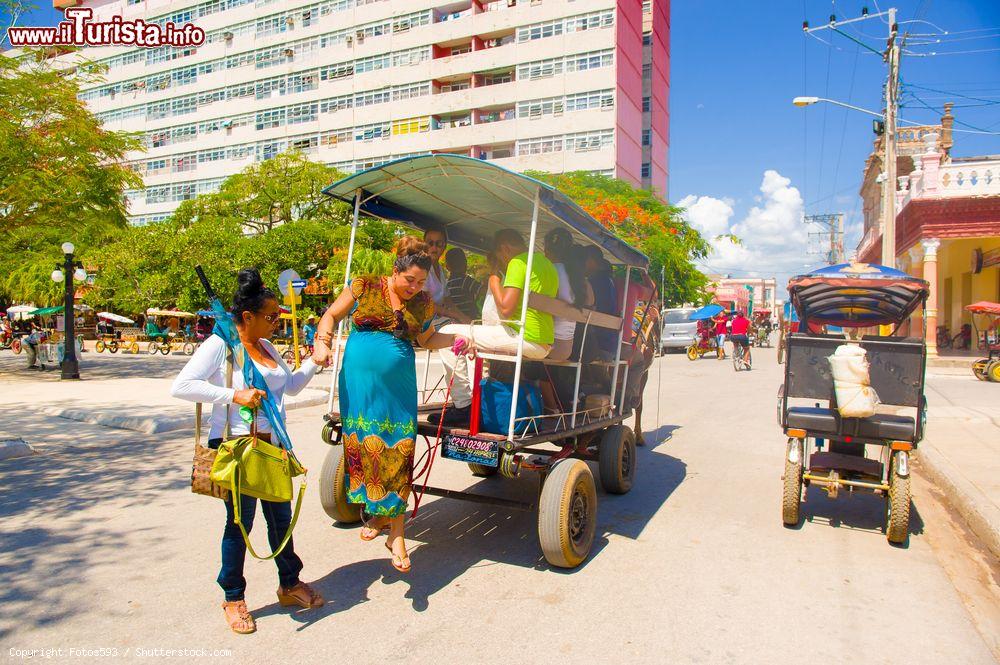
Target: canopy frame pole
[(347, 280), (519, 361), (621, 335)]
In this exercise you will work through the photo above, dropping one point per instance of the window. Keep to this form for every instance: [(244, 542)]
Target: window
[(461, 48), (647, 69), (645, 136), (539, 107), (540, 31), (245, 90), (603, 19), (304, 145), (240, 60), (185, 191), (334, 72), (411, 126), (334, 137), (302, 82), (184, 134), (540, 69), (372, 63), (336, 104), (271, 26), (372, 97), (269, 119), (185, 163), (156, 166), (647, 38), (645, 170), (412, 90), (184, 105), (539, 145), (241, 152), (589, 100), (371, 132), (587, 61), (411, 56), (211, 97), (211, 155), (303, 113), (270, 88), (455, 86), (645, 103), (160, 194), (496, 79)]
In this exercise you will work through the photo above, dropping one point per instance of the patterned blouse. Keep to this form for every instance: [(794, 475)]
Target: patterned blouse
[(373, 311)]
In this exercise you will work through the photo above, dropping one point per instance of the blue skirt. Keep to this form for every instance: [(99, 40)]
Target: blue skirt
[(378, 407)]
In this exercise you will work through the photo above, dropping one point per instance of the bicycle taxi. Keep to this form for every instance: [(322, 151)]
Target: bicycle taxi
[(164, 339), (988, 339), (831, 443), (110, 338), (472, 199)]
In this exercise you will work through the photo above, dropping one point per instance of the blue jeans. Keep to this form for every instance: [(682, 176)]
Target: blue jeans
[(234, 550)]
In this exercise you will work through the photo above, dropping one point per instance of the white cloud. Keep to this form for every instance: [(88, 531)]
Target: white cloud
[(775, 241)]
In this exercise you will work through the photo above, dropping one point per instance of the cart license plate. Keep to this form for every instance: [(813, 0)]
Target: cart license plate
[(470, 449)]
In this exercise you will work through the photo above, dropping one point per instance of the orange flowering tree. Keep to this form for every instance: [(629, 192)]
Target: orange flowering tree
[(644, 221)]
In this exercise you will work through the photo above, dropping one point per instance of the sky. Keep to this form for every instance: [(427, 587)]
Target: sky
[(744, 161)]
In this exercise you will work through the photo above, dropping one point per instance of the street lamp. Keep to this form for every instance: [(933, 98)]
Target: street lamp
[(809, 101), (69, 272)]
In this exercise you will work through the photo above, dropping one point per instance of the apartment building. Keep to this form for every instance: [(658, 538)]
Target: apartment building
[(550, 85)]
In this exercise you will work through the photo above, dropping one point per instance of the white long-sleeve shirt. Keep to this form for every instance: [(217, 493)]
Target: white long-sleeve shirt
[(203, 380)]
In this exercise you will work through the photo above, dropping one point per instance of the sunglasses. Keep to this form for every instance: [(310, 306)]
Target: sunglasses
[(437, 243)]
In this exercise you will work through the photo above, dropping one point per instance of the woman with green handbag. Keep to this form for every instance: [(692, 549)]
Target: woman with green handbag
[(256, 313)]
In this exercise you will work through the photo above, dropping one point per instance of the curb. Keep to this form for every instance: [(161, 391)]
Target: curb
[(161, 424), (982, 515)]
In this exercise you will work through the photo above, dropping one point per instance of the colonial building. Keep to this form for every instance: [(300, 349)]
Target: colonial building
[(947, 222), (551, 85), (732, 292)]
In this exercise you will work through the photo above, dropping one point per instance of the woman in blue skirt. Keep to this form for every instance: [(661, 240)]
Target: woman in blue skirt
[(378, 386)]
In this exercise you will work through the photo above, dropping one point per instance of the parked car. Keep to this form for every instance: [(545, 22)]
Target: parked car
[(679, 331)]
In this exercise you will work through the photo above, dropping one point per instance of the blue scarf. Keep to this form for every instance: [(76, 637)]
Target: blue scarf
[(225, 328)]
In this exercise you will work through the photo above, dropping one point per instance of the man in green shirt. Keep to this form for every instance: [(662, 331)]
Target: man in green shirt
[(539, 328)]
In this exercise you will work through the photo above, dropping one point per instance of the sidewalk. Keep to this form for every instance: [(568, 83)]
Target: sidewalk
[(961, 449)]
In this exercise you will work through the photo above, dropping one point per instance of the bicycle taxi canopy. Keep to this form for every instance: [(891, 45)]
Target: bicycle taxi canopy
[(472, 199), (856, 295)]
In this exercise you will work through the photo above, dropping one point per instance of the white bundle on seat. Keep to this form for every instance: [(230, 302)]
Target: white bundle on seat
[(852, 383)]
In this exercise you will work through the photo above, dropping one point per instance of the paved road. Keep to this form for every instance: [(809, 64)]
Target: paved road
[(102, 545)]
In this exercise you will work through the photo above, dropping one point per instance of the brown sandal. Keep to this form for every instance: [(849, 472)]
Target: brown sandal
[(378, 530), (239, 618), (301, 595), (395, 557)]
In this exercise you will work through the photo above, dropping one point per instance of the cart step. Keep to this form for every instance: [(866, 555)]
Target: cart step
[(840, 462)]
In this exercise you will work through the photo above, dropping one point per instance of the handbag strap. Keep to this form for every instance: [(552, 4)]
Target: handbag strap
[(237, 500), (197, 405)]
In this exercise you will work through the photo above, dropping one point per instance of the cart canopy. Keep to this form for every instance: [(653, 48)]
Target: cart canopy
[(472, 199), (706, 312), (984, 307), (856, 295), (152, 311), (117, 318)]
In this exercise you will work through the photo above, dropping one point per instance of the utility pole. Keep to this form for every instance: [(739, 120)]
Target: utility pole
[(889, 140), (891, 57), (833, 226)]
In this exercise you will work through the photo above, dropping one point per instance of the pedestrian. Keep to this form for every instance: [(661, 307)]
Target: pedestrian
[(464, 291), (378, 386), (574, 289), (309, 332), (256, 311), (721, 322)]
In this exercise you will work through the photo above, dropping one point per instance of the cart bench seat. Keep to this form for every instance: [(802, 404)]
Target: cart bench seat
[(879, 426)]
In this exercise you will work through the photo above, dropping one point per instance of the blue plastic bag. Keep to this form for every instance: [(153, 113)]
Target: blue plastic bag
[(494, 411)]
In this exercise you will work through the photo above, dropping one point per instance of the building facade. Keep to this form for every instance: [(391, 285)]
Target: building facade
[(947, 225), (550, 85), (732, 292)]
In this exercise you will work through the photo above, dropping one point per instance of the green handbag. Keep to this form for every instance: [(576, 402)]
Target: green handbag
[(251, 467)]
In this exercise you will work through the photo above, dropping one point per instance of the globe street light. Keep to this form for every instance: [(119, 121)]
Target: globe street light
[(69, 273)]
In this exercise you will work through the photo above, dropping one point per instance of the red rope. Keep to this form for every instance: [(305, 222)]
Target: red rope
[(425, 471)]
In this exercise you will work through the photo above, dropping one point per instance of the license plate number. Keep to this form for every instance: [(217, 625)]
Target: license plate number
[(471, 449)]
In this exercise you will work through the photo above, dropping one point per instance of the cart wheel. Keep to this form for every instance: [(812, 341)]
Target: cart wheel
[(15, 346), (333, 488), (979, 368), (288, 357), (113, 346), (152, 348), (99, 347), (188, 349), (617, 459), (791, 494), (993, 371), (134, 348), (692, 352), (567, 514), (897, 506), (165, 348), (481, 471)]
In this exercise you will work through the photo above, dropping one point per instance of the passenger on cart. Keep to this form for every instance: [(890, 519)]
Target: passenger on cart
[(511, 251)]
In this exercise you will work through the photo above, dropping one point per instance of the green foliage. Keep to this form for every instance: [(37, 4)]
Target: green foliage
[(647, 223), (61, 174)]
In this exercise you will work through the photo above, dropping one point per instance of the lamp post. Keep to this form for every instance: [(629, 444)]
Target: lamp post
[(69, 272)]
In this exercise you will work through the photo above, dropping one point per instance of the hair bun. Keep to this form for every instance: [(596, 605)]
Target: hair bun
[(408, 246), (250, 282)]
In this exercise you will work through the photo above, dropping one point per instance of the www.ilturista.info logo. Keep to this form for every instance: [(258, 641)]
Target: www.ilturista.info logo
[(79, 30)]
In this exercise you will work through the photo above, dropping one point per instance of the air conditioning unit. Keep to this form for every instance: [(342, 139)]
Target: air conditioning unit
[(361, 36), (289, 20), (288, 53), (511, 3), (350, 40), (228, 36)]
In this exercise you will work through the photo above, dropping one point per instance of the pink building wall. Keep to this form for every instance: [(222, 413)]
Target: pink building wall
[(660, 97), (628, 96)]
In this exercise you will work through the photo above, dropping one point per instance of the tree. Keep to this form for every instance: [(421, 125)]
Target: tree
[(61, 174), (282, 189), (639, 218)]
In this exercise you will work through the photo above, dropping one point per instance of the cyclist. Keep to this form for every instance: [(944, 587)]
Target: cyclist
[(741, 343)]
